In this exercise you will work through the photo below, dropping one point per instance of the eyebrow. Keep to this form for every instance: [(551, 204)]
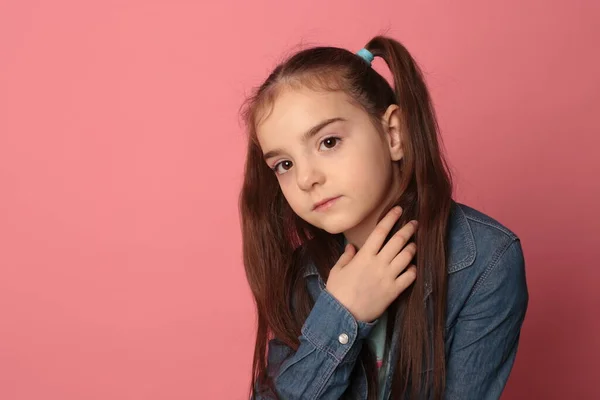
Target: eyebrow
[(307, 135)]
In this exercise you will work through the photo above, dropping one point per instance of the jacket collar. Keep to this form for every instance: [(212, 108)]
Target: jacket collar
[(461, 246)]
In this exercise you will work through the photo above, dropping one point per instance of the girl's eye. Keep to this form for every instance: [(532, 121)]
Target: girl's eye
[(330, 142), (285, 166)]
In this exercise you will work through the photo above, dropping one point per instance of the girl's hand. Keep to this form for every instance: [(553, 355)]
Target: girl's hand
[(367, 282)]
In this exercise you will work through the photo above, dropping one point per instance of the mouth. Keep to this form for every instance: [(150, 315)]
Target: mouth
[(325, 204)]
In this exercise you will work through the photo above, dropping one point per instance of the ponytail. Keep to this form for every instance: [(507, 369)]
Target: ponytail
[(424, 160)]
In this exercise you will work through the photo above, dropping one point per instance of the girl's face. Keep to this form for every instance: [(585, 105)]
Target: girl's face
[(322, 147)]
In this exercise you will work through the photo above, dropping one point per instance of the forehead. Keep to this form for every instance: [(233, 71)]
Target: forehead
[(294, 111)]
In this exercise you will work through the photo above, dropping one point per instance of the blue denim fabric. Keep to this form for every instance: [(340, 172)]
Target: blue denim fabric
[(487, 301)]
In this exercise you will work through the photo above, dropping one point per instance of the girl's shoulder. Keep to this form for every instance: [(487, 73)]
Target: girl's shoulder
[(478, 220), (475, 238), (481, 249)]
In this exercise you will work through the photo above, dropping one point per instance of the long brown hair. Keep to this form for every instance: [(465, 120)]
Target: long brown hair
[(277, 243)]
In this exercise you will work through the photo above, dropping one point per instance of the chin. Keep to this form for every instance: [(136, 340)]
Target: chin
[(335, 225), (334, 230)]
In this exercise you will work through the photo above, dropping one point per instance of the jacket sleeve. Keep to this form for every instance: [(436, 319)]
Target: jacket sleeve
[(330, 342), (487, 332)]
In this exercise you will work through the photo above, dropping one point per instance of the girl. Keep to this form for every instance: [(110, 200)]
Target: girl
[(354, 300)]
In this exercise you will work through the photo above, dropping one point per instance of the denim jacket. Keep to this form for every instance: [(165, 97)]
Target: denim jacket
[(486, 305)]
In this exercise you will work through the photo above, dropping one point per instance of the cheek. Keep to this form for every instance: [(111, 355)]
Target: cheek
[(371, 182), (371, 169)]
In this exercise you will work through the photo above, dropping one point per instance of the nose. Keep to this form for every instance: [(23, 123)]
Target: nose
[(308, 174)]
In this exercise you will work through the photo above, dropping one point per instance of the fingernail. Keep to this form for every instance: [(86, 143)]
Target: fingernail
[(415, 223), (397, 209)]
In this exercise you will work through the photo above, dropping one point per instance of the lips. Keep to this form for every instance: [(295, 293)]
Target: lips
[(325, 202)]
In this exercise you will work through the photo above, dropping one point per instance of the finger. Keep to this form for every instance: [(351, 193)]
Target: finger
[(405, 280), (397, 242), (383, 228), (402, 260), (346, 256)]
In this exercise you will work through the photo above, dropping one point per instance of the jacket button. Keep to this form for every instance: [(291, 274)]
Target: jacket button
[(343, 338)]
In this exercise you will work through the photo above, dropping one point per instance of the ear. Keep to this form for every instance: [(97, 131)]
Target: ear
[(393, 127)]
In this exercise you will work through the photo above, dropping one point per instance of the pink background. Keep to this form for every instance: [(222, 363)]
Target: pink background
[(121, 158)]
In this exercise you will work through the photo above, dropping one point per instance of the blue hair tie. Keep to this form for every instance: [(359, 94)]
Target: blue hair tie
[(366, 55)]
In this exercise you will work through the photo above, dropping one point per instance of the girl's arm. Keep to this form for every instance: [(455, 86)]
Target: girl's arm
[(486, 336), (330, 343)]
